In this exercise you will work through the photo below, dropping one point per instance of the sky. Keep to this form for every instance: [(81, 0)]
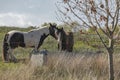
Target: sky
[(24, 13)]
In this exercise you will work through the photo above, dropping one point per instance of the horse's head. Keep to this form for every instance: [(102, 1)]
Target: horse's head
[(53, 31), (60, 33)]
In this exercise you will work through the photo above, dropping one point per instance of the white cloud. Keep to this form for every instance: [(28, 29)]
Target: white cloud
[(24, 13), (23, 20), (15, 19)]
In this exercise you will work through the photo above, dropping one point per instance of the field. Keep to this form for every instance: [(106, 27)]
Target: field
[(84, 63)]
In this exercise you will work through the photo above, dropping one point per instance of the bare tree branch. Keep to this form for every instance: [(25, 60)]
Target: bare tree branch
[(107, 19), (78, 16), (116, 17), (101, 39)]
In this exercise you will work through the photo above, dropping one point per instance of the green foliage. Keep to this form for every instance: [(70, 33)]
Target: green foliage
[(47, 24), (5, 29), (67, 28), (90, 30), (4, 66)]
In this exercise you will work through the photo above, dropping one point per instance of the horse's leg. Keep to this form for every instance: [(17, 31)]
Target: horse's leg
[(7, 57), (58, 47), (35, 50), (32, 52), (12, 56), (37, 47)]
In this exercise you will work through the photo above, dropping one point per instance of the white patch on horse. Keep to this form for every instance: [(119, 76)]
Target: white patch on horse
[(33, 37)]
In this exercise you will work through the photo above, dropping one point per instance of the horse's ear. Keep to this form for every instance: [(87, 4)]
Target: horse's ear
[(50, 24), (55, 24)]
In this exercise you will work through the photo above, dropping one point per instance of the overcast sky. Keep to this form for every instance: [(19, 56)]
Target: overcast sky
[(24, 13)]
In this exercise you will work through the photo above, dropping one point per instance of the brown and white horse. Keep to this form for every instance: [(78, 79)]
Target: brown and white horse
[(33, 38), (65, 40)]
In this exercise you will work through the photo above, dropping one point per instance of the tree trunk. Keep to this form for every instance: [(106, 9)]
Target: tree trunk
[(111, 69), (110, 59)]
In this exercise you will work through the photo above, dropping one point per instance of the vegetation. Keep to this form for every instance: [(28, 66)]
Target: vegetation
[(62, 66), (85, 63)]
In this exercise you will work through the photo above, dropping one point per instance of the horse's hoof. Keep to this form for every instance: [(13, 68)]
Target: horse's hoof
[(15, 60)]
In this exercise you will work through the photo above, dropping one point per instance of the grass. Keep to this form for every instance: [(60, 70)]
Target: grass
[(63, 66)]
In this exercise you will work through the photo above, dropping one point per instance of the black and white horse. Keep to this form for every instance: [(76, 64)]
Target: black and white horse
[(33, 38)]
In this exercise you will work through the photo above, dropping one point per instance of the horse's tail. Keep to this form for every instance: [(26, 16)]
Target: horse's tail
[(5, 48)]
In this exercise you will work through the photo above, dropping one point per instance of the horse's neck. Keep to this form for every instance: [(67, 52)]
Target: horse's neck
[(44, 30), (61, 37)]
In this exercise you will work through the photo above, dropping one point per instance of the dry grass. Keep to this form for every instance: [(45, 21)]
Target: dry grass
[(65, 66)]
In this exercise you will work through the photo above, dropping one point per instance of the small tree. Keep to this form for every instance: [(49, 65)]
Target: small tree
[(95, 14)]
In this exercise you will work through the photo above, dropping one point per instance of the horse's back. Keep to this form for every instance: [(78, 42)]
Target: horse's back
[(14, 31)]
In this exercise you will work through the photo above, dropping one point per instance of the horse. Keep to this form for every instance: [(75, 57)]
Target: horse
[(65, 40), (61, 39), (31, 39), (69, 41)]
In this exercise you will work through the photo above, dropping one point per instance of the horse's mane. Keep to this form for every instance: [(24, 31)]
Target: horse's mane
[(37, 29), (13, 31)]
